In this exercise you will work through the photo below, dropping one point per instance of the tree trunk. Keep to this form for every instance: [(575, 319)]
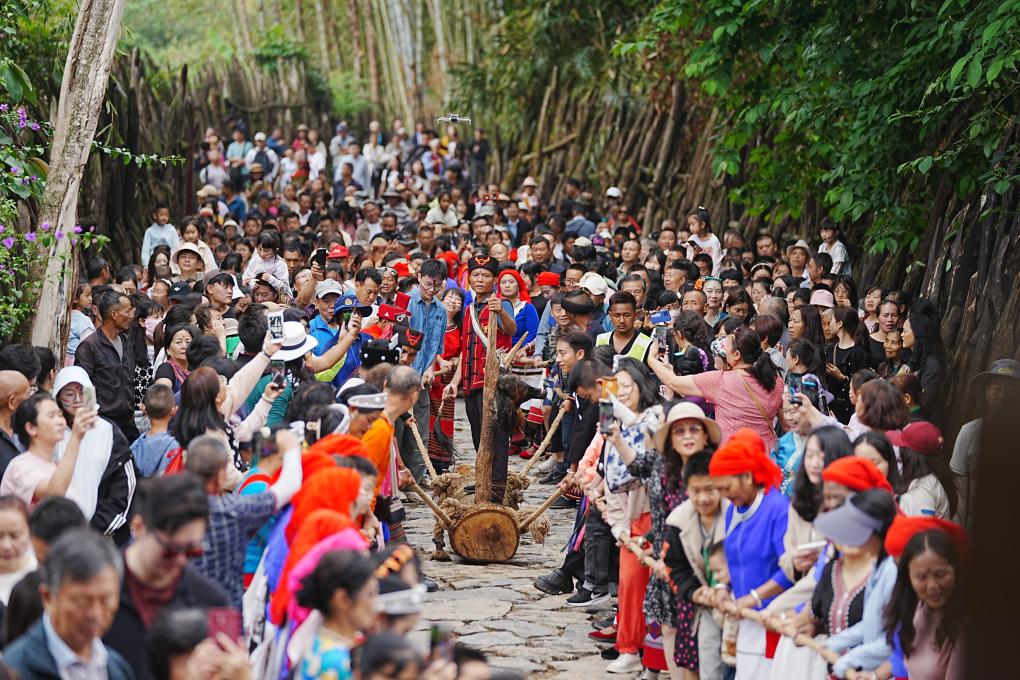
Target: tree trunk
[(320, 27), (82, 90), (352, 23), (373, 66)]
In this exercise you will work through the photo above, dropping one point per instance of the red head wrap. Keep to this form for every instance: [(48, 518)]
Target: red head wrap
[(742, 453), (333, 489), (548, 279), (521, 287), (904, 528), (856, 473)]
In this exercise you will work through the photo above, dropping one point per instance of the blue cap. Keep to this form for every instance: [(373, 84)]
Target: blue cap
[(349, 303)]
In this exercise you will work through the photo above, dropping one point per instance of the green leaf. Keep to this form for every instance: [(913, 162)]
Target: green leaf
[(954, 73), (994, 68), (974, 72), (991, 31), (12, 84), (924, 165)]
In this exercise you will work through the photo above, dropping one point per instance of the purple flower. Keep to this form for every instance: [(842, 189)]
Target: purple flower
[(30, 236), (8, 242), (45, 226), (15, 169), (77, 229), (59, 234), (74, 242), (34, 126), (26, 181), (2, 228), (22, 117), (3, 107)]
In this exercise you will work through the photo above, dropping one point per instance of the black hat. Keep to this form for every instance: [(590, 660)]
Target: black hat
[(483, 262), (179, 291), (375, 352)]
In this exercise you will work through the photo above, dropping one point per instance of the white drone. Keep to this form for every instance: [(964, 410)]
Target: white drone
[(453, 119)]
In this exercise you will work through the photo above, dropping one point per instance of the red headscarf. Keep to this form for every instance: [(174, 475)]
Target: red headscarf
[(856, 473), (521, 287), (904, 528), (744, 452), (333, 489), (316, 526), (548, 279)]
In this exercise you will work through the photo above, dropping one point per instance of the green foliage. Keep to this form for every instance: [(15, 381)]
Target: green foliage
[(348, 94), (275, 47), (176, 32), (867, 107)]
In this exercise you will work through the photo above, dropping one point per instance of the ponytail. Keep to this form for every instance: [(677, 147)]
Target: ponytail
[(746, 342), (701, 215)]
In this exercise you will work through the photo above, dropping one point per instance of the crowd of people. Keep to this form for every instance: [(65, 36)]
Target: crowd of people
[(210, 482)]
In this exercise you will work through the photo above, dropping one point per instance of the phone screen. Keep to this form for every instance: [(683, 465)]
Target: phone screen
[(89, 395), (320, 257), (275, 320), (278, 369), (441, 643), (606, 417)]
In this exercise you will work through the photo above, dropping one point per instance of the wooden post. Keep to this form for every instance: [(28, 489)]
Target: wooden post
[(483, 461), (82, 89)]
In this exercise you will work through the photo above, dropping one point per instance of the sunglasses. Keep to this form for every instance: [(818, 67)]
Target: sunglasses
[(172, 550)]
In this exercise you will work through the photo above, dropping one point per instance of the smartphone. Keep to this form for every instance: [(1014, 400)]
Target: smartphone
[(278, 370), (606, 417), (275, 320), (662, 317), (810, 389), (608, 387), (661, 335), (441, 644), (224, 620), (89, 396), (319, 258)]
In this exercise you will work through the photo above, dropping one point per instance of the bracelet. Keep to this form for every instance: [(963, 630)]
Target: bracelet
[(757, 598)]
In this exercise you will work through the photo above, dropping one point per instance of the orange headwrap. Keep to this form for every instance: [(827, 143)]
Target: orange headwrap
[(742, 453), (333, 489), (338, 445), (316, 526), (904, 528), (856, 473)]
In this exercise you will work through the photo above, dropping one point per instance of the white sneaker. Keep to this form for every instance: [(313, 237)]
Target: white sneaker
[(649, 674), (625, 663), (546, 466)]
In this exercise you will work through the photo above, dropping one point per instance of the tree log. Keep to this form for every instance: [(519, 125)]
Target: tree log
[(483, 461), (82, 90)]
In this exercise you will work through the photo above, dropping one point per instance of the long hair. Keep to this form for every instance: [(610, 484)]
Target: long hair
[(136, 334), (927, 341), (917, 465), (458, 318), (745, 341), (648, 389), (902, 605), (198, 412), (812, 325), (807, 496), (881, 443), (809, 354)]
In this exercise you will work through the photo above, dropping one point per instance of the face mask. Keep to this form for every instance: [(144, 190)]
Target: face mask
[(150, 326)]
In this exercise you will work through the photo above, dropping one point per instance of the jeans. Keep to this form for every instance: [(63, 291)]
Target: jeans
[(710, 648), (598, 545)]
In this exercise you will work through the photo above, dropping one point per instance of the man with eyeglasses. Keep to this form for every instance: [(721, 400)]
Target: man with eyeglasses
[(172, 515), (428, 317)]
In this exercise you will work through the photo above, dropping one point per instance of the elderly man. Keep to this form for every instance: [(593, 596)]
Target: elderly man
[(80, 591)]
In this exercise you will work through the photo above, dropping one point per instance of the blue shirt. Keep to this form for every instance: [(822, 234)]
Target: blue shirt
[(527, 323), (150, 452), (430, 319), (321, 331), (754, 545)]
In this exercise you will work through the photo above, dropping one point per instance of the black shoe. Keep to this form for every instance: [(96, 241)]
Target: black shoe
[(554, 477), (564, 503), (430, 585), (601, 623), (556, 583), (610, 653), (586, 598)]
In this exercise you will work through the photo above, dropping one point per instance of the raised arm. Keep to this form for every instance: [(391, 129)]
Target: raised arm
[(681, 384)]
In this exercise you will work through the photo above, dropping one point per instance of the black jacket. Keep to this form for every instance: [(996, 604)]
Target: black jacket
[(30, 656), (116, 492), (8, 451), (127, 634), (113, 375), (585, 427)]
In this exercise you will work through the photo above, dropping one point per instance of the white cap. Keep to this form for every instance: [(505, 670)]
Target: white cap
[(614, 192), (327, 286), (593, 283), (260, 136), (582, 241), (529, 182)]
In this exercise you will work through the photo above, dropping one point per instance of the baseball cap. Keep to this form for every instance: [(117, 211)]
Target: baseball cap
[(593, 283), (179, 290), (337, 252), (530, 182), (614, 192), (848, 524), (326, 287), (349, 302), (920, 436), (260, 136)]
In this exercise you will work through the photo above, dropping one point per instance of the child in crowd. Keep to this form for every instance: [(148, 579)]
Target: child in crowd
[(160, 232), (152, 448)]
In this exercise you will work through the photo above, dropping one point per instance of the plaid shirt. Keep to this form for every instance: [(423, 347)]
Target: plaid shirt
[(233, 520)]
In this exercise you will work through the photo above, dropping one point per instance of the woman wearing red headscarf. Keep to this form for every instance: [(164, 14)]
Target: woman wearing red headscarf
[(755, 527), (443, 411), (512, 287)]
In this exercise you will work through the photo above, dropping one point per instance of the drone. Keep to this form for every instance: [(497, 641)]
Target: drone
[(454, 119)]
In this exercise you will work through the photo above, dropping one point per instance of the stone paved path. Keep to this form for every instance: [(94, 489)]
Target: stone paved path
[(495, 608)]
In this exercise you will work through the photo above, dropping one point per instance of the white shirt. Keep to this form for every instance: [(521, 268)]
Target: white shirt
[(840, 257)]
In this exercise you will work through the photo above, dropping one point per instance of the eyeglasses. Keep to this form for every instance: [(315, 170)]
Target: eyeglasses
[(430, 285), (172, 550)]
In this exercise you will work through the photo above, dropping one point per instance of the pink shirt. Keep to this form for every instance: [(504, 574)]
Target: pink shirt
[(735, 408), (23, 476)]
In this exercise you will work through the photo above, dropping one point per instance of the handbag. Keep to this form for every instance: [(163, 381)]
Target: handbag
[(757, 402)]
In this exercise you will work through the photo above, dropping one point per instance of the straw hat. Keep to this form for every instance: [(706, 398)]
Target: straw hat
[(683, 411)]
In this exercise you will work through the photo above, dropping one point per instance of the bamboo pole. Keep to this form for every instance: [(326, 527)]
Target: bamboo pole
[(530, 519), (433, 506), (483, 460), (424, 451), (545, 442), (512, 354)]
